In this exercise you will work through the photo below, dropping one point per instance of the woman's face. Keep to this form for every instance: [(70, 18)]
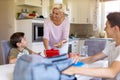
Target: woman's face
[(56, 14)]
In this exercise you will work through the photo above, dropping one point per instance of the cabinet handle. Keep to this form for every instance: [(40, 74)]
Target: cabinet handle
[(87, 20), (41, 2)]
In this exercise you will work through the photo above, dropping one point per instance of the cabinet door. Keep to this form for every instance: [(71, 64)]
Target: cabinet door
[(45, 8), (80, 11), (75, 46), (74, 11), (84, 11), (81, 42), (36, 3), (23, 2)]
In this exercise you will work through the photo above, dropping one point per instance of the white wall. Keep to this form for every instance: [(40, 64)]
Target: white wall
[(7, 19)]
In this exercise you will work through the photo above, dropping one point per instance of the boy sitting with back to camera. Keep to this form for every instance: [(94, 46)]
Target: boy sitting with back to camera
[(19, 44)]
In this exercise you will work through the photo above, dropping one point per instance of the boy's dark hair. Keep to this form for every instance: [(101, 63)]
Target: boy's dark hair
[(16, 38), (114, 19)]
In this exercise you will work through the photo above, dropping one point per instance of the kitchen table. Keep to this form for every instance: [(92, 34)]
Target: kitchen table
[(6, 71), (100, 63)]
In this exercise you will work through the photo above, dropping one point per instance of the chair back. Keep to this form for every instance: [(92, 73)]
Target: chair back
[(5, 46), (95, 45)]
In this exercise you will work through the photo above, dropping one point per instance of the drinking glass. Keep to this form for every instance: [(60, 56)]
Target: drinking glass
[(84, 51)]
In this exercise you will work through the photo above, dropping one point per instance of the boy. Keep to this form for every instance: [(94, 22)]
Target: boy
[(19, 43), (112, 51)]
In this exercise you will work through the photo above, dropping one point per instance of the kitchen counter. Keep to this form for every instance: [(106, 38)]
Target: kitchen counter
[(6, 72), (31, 20), (75, 43), (72, 39)]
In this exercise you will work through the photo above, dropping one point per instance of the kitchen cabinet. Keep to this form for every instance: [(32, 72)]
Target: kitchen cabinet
[(36, 3), (38, 47), (45, 8), (74, 46), (80, 11), (81, 42)]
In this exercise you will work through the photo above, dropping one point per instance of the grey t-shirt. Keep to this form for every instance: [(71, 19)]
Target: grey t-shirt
[(113, 53)]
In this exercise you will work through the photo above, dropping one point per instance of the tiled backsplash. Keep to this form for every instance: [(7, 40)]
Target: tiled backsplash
[(81, 30)]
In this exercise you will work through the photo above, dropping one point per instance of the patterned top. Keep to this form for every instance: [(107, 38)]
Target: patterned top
[(15, 53)]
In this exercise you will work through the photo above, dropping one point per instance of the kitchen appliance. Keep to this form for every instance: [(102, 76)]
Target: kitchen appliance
[(37, 30), (51, 53), (69, 48)]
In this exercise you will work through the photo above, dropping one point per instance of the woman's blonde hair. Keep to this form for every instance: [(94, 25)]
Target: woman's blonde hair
[(58, 6)]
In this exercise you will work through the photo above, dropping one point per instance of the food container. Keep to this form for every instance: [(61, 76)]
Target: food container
[(51, 53)]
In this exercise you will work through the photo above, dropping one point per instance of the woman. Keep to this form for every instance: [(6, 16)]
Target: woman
[(56, 30)]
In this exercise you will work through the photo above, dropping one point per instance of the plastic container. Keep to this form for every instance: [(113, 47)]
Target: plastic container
[(51, 53)]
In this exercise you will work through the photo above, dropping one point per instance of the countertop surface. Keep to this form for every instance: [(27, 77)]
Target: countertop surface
[(30, 19), (71, 39), (78, 38), (74, 39), (6, 72)]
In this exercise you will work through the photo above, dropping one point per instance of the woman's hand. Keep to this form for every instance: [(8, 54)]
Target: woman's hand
[(76, 57), (59, 44)]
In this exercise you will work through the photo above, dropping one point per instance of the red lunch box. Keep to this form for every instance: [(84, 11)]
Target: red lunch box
[(51, 53)]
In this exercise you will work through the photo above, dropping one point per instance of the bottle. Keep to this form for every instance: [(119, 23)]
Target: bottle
[(75, 34)]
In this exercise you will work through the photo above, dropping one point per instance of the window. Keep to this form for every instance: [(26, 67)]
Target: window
[(111, 6)]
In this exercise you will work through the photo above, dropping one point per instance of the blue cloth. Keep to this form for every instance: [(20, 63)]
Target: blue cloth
[(78, 64), (62, 61), (34, 67)]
